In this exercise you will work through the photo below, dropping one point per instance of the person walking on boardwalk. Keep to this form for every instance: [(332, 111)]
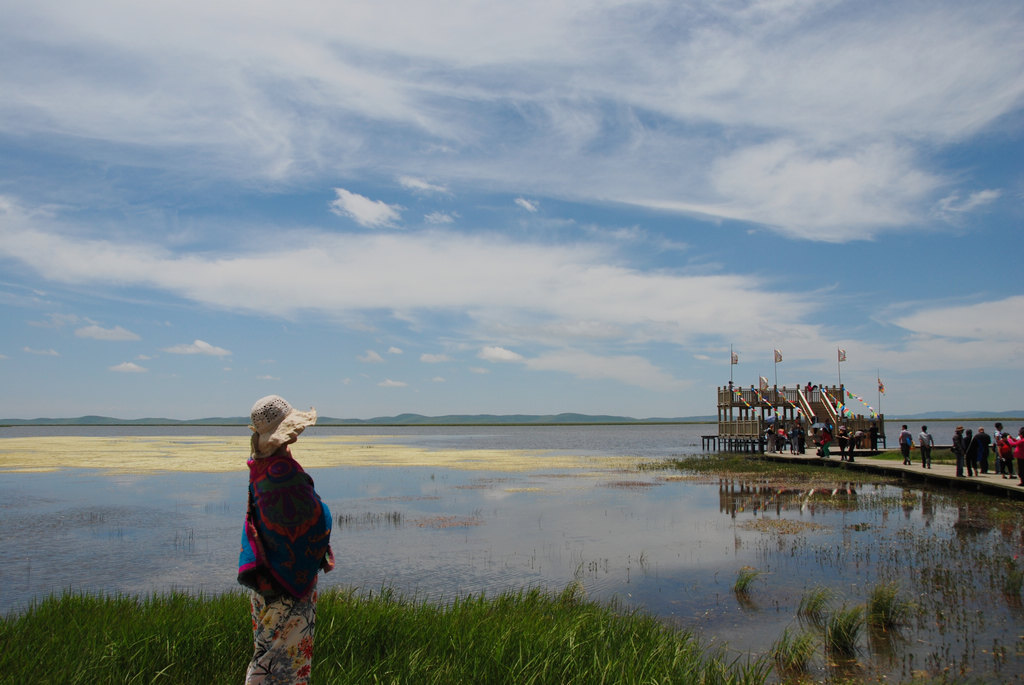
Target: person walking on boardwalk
[(285, 544), (925, 442), (1018, 452), (958, 450), (906, 440)]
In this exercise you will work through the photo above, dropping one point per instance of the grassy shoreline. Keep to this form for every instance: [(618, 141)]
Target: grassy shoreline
[(521, 637)]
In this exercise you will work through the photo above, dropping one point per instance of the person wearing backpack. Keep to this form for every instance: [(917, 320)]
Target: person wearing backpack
[(906, 440)]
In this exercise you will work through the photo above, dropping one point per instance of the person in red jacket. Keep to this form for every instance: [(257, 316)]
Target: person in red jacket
[(1018, 453)]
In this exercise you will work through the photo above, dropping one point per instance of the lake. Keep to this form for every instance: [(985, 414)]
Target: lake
[(648, 539)]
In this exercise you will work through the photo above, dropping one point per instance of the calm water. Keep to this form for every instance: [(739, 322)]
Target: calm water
[(672, 547)]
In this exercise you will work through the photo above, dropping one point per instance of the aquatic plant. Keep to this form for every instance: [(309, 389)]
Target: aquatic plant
[(842, 631), (792, 653), (814, 603), (745, 578), (885, 609)]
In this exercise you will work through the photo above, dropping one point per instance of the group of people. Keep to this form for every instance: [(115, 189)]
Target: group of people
[(778, 438), (971, 450)]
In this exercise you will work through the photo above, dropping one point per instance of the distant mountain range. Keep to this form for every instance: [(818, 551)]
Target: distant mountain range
[(466, 420), (400, 420)]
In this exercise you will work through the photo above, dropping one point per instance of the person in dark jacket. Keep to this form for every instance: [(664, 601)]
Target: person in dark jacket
[(958, 450)]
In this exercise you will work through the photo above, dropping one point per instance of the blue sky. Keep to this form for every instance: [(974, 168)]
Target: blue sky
[(531, 207)]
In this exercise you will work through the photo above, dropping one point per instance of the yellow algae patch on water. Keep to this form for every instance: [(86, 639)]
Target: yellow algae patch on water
[(211, 454)]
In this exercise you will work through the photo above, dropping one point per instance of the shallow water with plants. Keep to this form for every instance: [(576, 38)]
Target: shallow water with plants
[(830, 576)]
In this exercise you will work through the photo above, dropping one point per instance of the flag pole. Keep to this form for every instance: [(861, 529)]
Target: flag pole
[(730, 365)]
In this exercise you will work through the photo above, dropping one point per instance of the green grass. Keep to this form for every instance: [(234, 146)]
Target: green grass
[(792, 653), (814, 604), (516, 637), (745, 578), (885, 609), (842, 631)]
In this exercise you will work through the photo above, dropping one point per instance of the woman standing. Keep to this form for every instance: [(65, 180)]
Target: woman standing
[(285, 543), (1018, 452)]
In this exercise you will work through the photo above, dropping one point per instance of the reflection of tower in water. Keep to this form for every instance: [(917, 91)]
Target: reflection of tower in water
[(737, 496)]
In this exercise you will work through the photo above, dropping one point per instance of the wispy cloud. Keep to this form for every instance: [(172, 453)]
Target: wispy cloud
[(117, 333), (421, 186), (954, 204), (371, 357), (440, 217), (528, 205), (388, 383), (42, 353), (493, 353), (364, 211), (427, 358), (128, 367), (198, 347)]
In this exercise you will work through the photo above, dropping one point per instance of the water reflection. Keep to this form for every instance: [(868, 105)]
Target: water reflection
[(739, 496), (672, 547)]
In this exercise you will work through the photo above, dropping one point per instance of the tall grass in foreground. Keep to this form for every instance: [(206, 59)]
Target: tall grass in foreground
[(516, 637)]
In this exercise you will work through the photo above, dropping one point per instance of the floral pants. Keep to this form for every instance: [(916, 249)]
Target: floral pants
[(282, 633)]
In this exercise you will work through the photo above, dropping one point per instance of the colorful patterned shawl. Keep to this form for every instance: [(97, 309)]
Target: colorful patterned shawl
[(286, 538)]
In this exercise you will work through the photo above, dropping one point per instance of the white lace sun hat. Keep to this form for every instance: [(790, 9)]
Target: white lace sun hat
[(274, 423)]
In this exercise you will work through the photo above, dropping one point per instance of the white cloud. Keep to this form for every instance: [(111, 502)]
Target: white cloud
[(116, 333), (198, 347), (420, 186), (394, 350), (997, 320), (3, 356), (808, 193), (434, 358), (388, 383), (527, 205), (953, 203), (128, 367), (42, 353), (437, 379), (272, 98), (371, 357), (554, 294), (441, 217), (267, 378), (493, 353), (364, 211)]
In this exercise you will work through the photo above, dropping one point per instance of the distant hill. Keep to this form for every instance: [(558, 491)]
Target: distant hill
[(400, 420), (953, 415)]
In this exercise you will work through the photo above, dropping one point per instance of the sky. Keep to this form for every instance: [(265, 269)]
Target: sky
[(463, 207)]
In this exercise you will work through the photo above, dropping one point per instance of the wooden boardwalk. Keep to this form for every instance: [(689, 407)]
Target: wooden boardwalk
[(939, 474)]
